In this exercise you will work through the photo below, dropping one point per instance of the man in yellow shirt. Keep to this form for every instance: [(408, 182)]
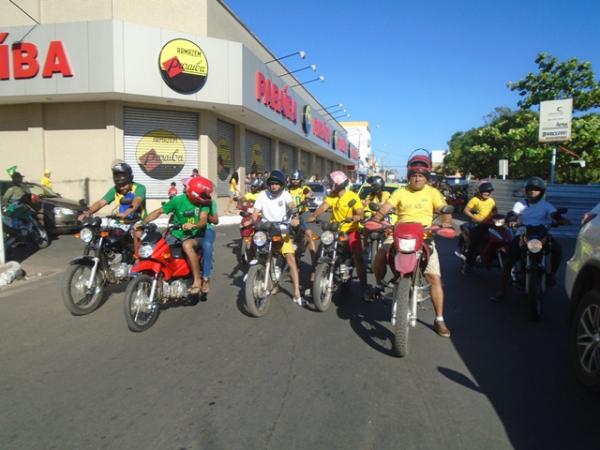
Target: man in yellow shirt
[(301, 193), (480, 210), (417, 202), (377, 194), (46, 181), (345, 204)]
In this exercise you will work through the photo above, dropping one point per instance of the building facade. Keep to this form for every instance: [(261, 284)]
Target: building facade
[(166, 86)]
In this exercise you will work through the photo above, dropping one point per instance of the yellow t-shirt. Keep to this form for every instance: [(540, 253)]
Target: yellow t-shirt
[(299, 196), (47, 182), (233, 186), (381, 199), (417, 206), (484, 207), (340, 210)]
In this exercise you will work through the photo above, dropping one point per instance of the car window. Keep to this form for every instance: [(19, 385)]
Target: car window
[(41, 191), (317, 187)]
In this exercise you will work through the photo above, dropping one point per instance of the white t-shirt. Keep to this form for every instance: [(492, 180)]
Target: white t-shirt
[(534, 213), (273, 209)]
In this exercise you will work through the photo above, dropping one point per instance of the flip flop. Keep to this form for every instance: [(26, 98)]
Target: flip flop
[(205, 289), (194, 290)]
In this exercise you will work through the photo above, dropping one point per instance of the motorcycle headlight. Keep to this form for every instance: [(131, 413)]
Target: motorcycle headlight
[(408, 245), (146, 251), (499, 223), (534, 245), (63, 211), (327, 237), (260, 238), (86, 235)]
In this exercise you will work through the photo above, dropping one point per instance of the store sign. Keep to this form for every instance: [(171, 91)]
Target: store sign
[(353, 153), (341, 144), (307, 119), (26, 59), (555, 120), (275, 97), (160, 154), (321, 130), (183, 66)]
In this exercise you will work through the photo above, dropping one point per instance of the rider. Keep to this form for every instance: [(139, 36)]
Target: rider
[(417, 202), (274, 204), (339, 200), (301, 193), (480, 210), (256, 186), (16, 191), (532, 210), (129, 198), (377, 194), (192, 210)]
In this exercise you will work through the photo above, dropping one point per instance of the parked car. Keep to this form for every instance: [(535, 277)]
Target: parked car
[(582, 283), (319, 193), (58, 214)]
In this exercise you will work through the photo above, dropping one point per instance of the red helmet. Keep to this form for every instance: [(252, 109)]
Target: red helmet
[(199, 190), (419, 164)]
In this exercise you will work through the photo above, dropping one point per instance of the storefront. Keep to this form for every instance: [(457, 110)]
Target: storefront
[(77, 94)]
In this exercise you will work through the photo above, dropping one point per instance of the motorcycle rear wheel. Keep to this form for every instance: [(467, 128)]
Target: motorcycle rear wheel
[(256, 295), (322, 293), (534, 294), (140, 311), (41, 236), (400, 343)]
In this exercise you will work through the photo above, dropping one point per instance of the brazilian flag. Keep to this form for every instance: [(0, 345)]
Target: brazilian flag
[(11, 171)]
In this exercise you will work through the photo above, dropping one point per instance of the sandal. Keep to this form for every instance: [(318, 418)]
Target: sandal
[(300, 301), (205, 286), (193, 290)]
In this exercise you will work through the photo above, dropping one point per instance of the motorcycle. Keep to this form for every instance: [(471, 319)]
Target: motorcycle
[(533, 267), (494, 251), (246, 233), (20, 223), (161, 274), (408, 257), (107, 258), (265, 271), (374, 239)]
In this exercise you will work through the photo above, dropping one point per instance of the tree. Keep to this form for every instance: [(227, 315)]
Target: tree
[(558, 80)]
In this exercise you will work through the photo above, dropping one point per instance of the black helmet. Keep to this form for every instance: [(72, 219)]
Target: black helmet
[(296, 175), (376, 183), (256, 185), (536, 182), (275, 177), (486, 186), (122, 173)]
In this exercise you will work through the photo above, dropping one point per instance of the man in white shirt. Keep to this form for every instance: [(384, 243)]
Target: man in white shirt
[(274, 205)]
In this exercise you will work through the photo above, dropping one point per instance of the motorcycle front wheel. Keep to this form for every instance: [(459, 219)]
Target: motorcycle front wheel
[(534, 294), (77, 298), (41, 236), (257, 295), (322, 291), (400, 320), (141, 311)]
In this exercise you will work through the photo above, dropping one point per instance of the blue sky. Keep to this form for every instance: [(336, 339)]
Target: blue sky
[(420, 71)]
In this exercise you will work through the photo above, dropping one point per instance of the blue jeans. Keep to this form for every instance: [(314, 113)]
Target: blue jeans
[(207, 251)]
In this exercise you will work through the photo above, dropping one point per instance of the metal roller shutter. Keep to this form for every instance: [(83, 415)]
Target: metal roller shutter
[(161, 147), (305, 164), (258, 152), (318, 167), (287, 160), (225, 159)]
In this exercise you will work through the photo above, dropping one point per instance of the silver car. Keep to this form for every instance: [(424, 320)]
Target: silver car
[(319, 194), (582, 283)]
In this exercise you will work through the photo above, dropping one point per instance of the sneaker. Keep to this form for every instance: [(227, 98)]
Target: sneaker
[(300, 301), (440, 328)]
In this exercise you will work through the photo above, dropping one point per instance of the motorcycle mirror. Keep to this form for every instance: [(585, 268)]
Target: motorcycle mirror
[(448, 209), (373, 206)]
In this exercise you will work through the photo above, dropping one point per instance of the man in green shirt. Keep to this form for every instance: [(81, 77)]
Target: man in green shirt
[(193, 211)]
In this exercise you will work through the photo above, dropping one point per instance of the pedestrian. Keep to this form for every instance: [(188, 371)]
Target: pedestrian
[(46, 181), (172, 190), (234, 192), (195, 173)]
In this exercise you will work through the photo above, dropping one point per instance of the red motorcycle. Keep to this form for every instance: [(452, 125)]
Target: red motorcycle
[(407, 259), (494, 251), (161, 274)]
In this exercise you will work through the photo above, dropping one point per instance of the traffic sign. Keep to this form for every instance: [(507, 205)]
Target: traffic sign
[(555, 120)]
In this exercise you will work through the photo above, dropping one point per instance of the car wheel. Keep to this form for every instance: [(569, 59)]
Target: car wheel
[(585, 342)]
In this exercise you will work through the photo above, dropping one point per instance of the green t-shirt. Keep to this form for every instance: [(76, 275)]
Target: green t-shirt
[(137, 190), (184, 211)]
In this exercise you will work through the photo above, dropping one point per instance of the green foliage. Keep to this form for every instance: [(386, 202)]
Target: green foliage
[(513, 135)]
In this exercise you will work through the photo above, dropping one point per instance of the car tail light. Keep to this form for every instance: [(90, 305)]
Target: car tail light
[(588, 217)]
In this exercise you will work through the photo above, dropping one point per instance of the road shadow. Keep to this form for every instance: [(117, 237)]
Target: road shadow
[(523, 367)]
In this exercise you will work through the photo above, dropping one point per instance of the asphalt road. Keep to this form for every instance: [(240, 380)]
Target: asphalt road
[(210, 377)]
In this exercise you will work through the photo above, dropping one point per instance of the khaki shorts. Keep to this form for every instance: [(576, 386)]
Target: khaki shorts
[(433, 266)]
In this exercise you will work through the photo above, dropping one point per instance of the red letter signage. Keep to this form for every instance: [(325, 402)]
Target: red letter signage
[(275, 98)]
